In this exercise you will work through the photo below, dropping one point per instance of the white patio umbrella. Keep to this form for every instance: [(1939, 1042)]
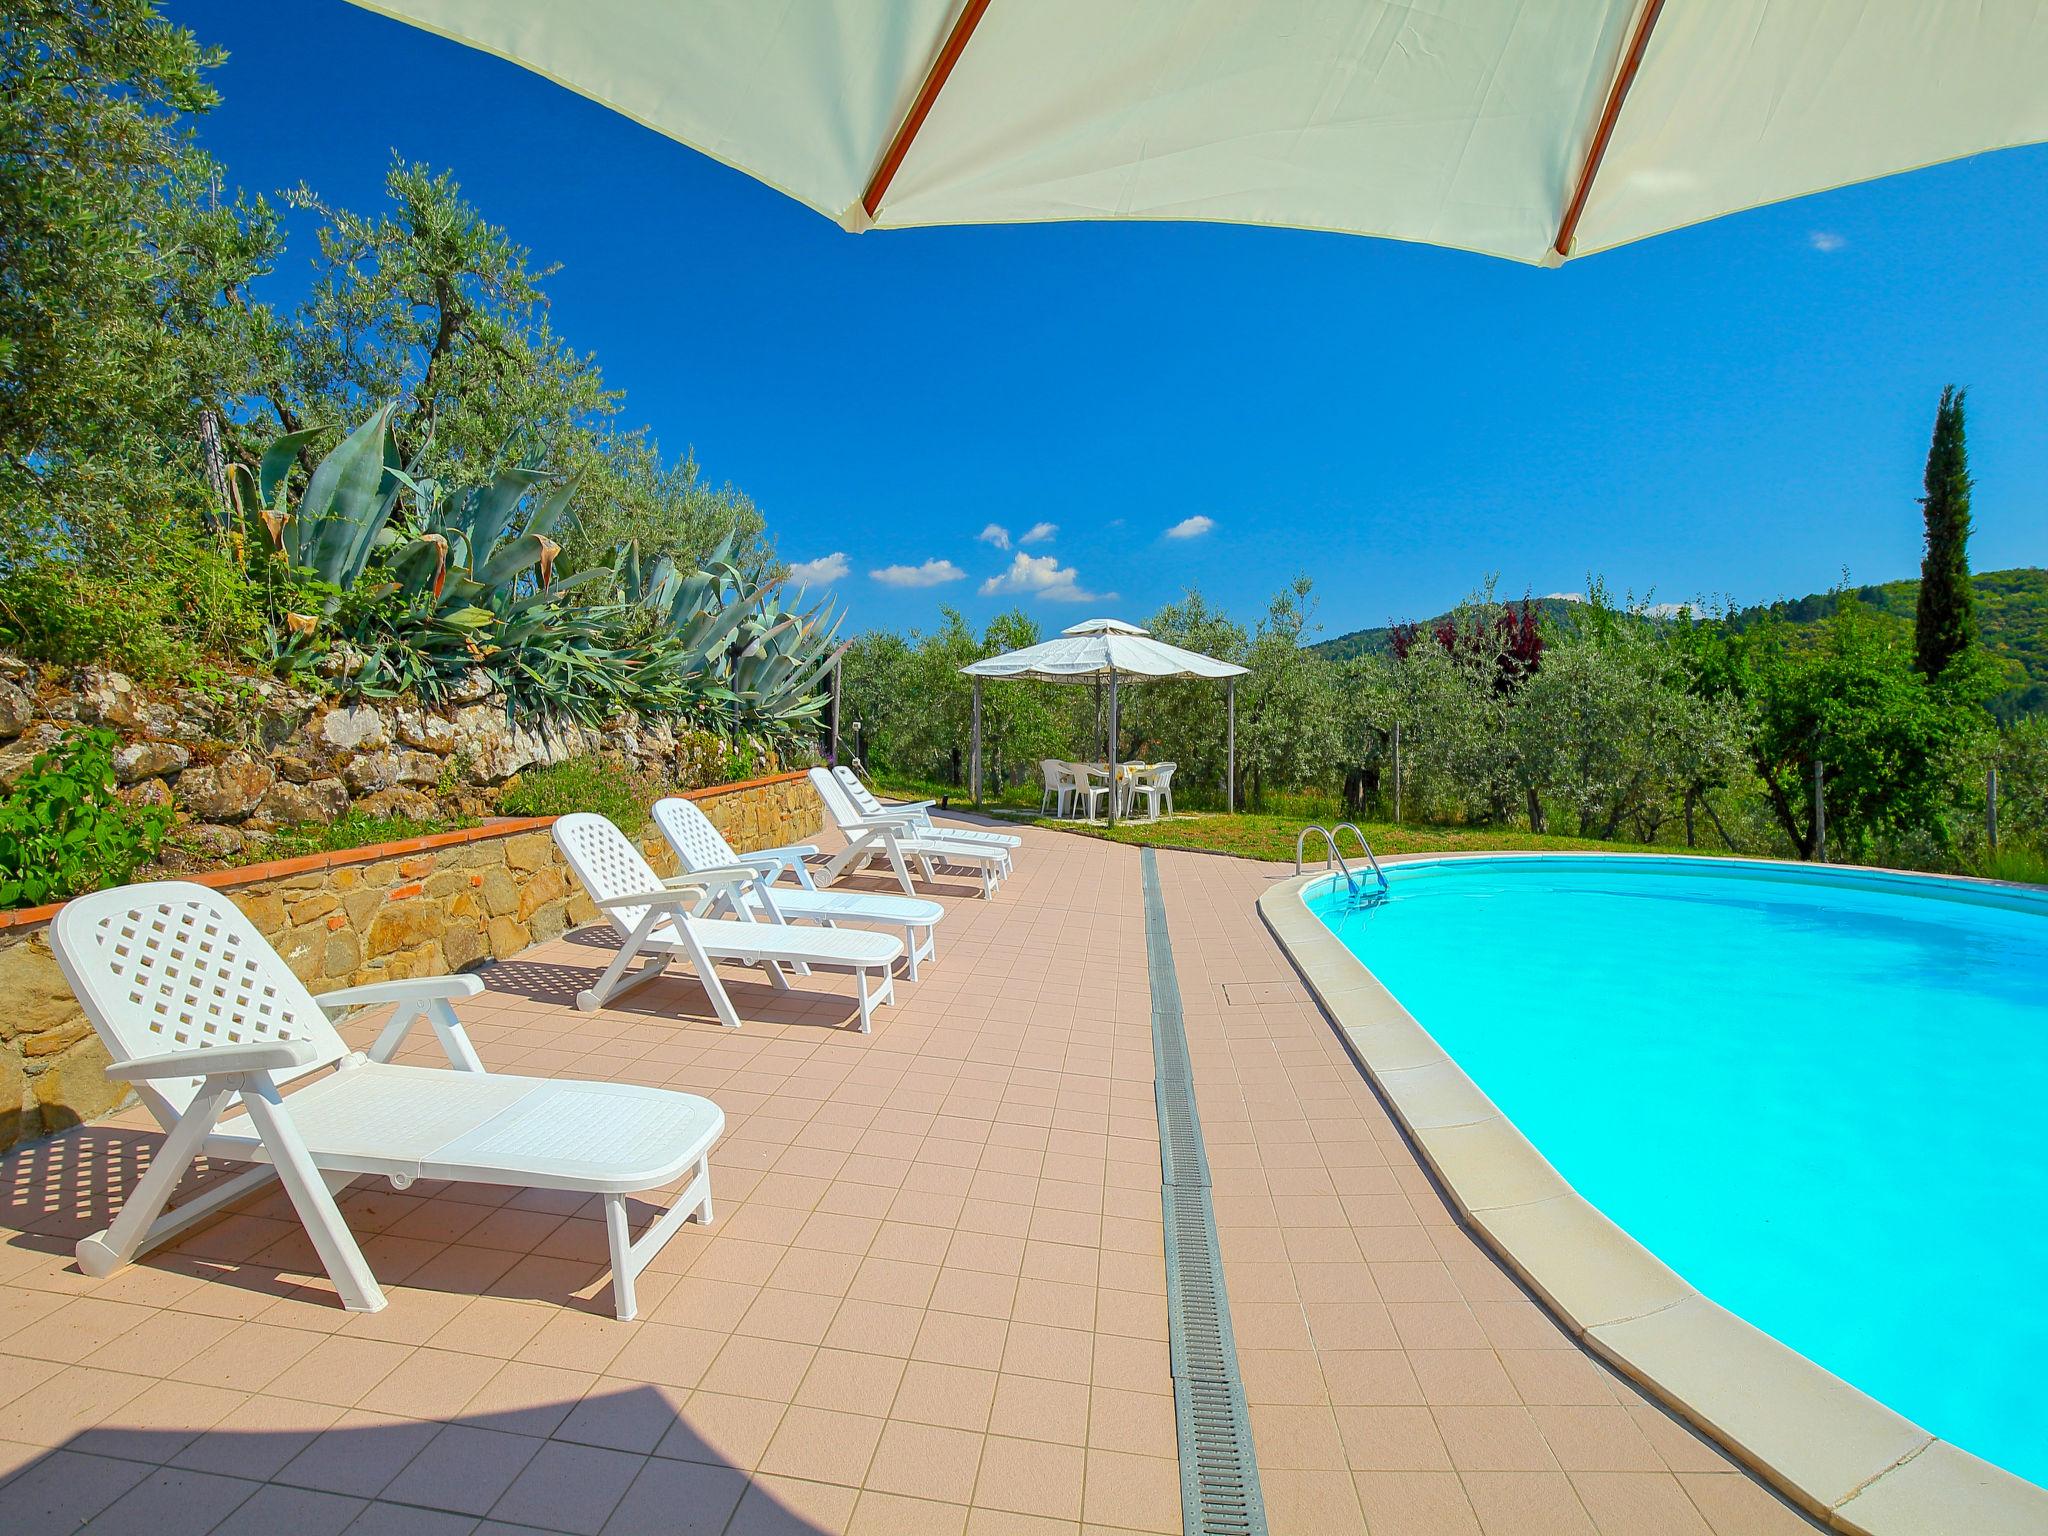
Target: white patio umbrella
[(1531, 131), (1108, 648)]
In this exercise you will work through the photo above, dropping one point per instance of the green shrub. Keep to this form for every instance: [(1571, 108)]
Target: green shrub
[(354, 829), (608, 787), (63, 830)]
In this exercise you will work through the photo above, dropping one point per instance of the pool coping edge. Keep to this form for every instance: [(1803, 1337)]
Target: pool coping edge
[(1830, 1448)]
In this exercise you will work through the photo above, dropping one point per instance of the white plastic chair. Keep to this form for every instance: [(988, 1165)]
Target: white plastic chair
[(1086, 790), (918, 814), (200, 1014), (896, 840), (1155, 787), (1059, 787), (659, 918), (699, 846)]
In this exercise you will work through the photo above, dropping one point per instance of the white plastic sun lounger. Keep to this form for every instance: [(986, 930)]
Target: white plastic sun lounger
[(200, 1014), (700, 845), (659, 918), (896, 840), (918, 814)]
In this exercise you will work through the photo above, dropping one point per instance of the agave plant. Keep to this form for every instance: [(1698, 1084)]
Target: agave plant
[(752, 661)]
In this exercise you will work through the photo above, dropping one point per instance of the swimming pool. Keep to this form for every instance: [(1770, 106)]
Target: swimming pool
[(1818, 1095)]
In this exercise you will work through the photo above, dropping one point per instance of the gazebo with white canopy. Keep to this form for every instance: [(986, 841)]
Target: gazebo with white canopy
[(1107, 648)]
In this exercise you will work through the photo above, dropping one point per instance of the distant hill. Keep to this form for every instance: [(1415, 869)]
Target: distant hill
[(2012, 615)]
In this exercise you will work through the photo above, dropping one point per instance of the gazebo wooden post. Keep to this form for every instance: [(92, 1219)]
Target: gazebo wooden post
[(974, 759), (1230, 752), (1112, 746)]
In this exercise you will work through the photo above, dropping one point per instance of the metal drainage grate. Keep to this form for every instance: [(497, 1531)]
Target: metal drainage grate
[(1219, 1475)]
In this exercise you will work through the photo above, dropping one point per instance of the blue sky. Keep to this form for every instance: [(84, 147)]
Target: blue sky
[(1738, 409)]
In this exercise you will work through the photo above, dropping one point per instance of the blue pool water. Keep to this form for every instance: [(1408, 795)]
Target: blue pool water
[(1821, 1097)]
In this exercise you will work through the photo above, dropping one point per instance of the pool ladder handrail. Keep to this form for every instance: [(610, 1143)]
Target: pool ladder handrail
[(1329, 837), (1364, 847)]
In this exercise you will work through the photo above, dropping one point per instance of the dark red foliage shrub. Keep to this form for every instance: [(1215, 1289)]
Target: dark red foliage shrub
[(1514, 636)]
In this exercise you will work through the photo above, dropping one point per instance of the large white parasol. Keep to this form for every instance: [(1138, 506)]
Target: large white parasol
[(1531, 129)]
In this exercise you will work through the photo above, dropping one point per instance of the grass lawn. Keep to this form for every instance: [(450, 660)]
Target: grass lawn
[(1253, 835)]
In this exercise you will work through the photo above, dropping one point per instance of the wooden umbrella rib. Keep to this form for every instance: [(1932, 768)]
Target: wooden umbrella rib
[(920, 109), (1616, 95)]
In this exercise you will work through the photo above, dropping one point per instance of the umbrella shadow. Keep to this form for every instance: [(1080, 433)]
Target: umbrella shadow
[(626, 1460)]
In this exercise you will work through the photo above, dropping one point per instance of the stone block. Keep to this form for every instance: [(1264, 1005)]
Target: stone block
[(148, 760), (225, 791), (508, 936), (426, 730), (360, 729), (530, 850), (464, 945), (311, 906), (33, 993), (500, 892), (403, 925), (263, 906), (544, 886), (285, 802), (549, 922), (74, 1086), (16, 710), (340, 956)]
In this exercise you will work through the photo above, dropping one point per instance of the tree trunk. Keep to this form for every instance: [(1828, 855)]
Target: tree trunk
[(1690, 796), (1536, 823)]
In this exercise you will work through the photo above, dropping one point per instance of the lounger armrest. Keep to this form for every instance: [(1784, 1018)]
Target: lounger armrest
[(908, 807), (786, 853), (218, 1060), (880, 824), (716, 875), (422, 989), (666, 897)]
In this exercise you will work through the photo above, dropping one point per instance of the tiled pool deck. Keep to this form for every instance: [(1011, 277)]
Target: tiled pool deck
[(934, 1299)]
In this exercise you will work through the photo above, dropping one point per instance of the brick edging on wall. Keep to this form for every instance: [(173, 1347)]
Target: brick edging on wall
[(497, 826)]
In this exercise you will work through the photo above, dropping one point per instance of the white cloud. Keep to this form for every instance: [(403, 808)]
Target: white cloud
[(1564, 597), (1826, 241), (933, 573), (1042, 576), (1038, 533), (820, 572), (1191, 527), (996, 534)]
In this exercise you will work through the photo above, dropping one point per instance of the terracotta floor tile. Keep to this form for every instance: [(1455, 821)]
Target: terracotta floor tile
[(716, 1428), (1626, 1503), (822, 1445), (1596, 1440), (1030, 1477), (63, 1490), (889, 1514), (1392, 1439), (783, 1506), (677, 1498), (569, 1488), (1139, 1493), (1526, 1504), (623, 1415), (924, 1461), (462, 1469), (1418, 1504), (274, 1508)]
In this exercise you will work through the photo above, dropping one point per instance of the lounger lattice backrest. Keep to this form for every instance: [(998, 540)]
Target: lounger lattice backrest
[(607, 863), (838, 806), (697, 842), (858, 792), (173, 966)]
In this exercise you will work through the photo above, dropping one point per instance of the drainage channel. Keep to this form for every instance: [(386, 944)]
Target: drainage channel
[(1219, 1475)]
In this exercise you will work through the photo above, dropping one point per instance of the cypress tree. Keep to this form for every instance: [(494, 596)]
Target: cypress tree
[(1945, 622)]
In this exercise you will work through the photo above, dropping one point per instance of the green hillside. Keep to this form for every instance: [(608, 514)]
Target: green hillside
[(2012, 615)]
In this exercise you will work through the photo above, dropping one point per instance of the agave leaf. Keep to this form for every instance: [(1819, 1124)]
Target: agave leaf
[(549, 512), (470, 618), (344, 506), (278, 459), (491, 509)]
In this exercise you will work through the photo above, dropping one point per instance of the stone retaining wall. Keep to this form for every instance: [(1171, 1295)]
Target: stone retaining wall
[(423, 907)]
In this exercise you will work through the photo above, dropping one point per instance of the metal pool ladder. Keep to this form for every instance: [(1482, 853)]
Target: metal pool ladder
[(1336, 857)]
